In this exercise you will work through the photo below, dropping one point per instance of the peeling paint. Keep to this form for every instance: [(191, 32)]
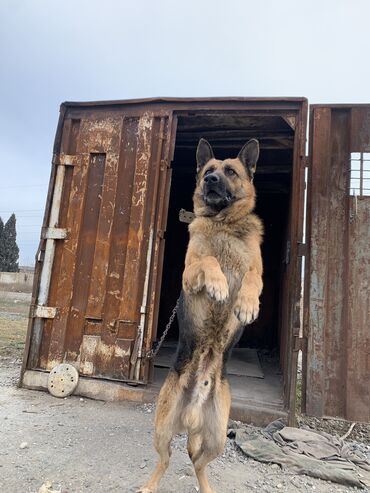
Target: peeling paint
[(94, 352)]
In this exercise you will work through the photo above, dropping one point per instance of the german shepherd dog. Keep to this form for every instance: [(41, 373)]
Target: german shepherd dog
[(222, 282)]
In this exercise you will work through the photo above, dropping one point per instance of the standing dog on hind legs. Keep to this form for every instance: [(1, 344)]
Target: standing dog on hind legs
[(222, 282)]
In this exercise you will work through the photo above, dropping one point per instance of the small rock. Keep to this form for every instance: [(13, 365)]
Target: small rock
[(47, 488), (23, 445), (142, 465), (188, 471), (279, 486)]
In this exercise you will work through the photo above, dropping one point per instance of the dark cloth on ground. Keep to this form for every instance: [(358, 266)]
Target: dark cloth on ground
[(316, 454)]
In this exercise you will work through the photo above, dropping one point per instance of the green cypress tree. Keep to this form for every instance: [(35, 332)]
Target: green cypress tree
[(11, 250), (1, 245)]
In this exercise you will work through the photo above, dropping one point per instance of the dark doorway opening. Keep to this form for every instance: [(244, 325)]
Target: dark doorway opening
[(256, 374)]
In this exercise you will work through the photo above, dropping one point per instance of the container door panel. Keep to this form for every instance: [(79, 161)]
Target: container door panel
[(337, 302), (99, 276)]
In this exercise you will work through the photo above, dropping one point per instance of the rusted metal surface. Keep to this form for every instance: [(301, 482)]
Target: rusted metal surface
[(336, 315), (294, 268), (159, 221), (291, 270), (192, 103), (107, 272), (101, 270)]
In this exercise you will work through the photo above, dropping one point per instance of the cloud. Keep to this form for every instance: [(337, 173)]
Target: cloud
[(90, 50)]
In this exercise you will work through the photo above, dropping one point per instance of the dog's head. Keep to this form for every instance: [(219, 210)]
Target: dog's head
[(225, 187)]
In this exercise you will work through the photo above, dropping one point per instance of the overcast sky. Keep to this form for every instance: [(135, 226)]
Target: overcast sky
[(52, 51)]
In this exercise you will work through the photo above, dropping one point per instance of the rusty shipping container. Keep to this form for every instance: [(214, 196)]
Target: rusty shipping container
[(109, 264)]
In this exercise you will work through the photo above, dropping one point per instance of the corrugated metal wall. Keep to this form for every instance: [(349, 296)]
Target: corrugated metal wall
[(337, 311)]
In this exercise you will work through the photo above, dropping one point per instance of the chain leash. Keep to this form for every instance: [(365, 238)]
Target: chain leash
[(153, 352)]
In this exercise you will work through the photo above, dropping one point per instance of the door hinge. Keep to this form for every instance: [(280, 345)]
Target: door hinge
[(54, 233), (40, 311), (302, 249), (65, 159), (300, 343)]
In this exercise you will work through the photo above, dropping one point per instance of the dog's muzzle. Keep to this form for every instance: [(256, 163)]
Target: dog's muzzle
[(215, 193)]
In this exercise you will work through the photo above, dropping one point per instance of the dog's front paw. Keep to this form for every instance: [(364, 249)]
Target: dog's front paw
[(144, 489), (246, 308), (192, 280), (217, 287)]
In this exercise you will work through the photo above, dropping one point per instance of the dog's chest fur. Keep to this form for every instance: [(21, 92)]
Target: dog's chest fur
[(232, 255), (229, 244)]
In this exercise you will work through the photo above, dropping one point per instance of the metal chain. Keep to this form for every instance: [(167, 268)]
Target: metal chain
[(153, 352)]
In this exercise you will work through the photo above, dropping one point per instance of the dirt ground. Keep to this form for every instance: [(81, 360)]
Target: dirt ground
[(82, 445)]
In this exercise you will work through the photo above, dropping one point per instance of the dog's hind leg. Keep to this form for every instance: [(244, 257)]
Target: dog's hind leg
[(200, 456), (209, 443), (165, 427), (200, 462)]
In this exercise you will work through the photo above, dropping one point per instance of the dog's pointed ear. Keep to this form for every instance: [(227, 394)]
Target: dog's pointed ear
[(249, 155), (204, 153)]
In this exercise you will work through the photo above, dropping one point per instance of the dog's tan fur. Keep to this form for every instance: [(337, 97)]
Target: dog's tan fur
[(222, 282)]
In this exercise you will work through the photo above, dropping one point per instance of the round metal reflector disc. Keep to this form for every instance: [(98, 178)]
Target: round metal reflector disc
[(63, 380)]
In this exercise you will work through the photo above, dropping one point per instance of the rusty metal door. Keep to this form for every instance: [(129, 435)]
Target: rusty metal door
[(337, 274), (112, 208)]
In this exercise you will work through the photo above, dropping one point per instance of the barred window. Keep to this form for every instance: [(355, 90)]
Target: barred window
[(360, 174)]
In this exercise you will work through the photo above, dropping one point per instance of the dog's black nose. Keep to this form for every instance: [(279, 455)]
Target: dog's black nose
[(212, 178)]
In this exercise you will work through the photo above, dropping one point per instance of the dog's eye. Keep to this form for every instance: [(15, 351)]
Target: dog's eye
[(209, 170), (230, 172)]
